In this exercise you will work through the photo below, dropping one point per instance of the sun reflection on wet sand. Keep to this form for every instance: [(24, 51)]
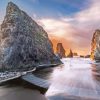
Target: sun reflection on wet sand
[(74, 79)]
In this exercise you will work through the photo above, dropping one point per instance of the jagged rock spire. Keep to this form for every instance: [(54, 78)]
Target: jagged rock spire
[(24, 44), (70, 53), (95, 45), (60, 50), (12, 8)]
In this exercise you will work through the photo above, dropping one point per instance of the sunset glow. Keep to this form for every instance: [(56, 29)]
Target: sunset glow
[(71, 22)]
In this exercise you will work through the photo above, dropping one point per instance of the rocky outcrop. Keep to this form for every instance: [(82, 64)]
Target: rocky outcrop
[(95, 46), (87, 56), (75, 54), (60, 51), (23, 43), (70, 53)]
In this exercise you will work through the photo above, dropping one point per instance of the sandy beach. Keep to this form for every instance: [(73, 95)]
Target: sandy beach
[(20, 93)]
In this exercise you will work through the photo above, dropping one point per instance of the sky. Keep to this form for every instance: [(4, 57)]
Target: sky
[(71, 22)]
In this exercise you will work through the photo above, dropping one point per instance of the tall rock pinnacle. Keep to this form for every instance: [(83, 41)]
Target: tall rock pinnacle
[(95, 46), (12, 8), (23, 43), (60, 50)]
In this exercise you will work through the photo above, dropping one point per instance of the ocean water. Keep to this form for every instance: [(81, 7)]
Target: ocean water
[(76, 80)]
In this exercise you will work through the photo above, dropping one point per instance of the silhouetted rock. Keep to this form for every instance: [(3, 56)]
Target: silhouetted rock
[(95, 45), (87, 56), (23, 43), (60, 50), (70, 53), (75, 54), (81, 56)]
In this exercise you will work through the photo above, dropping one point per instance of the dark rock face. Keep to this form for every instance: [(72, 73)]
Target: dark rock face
[(23, 43), (60, 50), (95, 46)]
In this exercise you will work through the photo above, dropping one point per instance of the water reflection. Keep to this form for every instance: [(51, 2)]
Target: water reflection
[(96, 71), (75, 79)]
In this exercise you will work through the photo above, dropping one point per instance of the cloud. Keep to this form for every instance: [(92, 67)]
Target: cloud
[(90, 16), (77, 29), (74, 3), (56, 27), (73, 31)]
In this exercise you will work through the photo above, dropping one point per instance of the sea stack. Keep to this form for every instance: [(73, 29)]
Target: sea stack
[(95, 46), (70, 54), (23, 43), (60, 50)]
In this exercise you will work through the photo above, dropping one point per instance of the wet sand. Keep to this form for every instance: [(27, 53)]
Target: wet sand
[(20, 93), (20, 90)]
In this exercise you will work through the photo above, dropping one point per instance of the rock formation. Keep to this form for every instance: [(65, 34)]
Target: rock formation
[(87, 56), (23, 43), (95, 46), (70, 53), (75, 54), (60, 50)]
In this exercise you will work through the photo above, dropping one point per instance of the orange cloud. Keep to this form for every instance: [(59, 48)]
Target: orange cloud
[(66, 33), (75, 31)]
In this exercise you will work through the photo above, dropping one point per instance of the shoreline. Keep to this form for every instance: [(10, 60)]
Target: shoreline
[(7, 76)]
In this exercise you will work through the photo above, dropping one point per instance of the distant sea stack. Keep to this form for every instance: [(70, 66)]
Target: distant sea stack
[(60, 50), (95, 46), (70, 53), (75, 54), (23, 43)]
